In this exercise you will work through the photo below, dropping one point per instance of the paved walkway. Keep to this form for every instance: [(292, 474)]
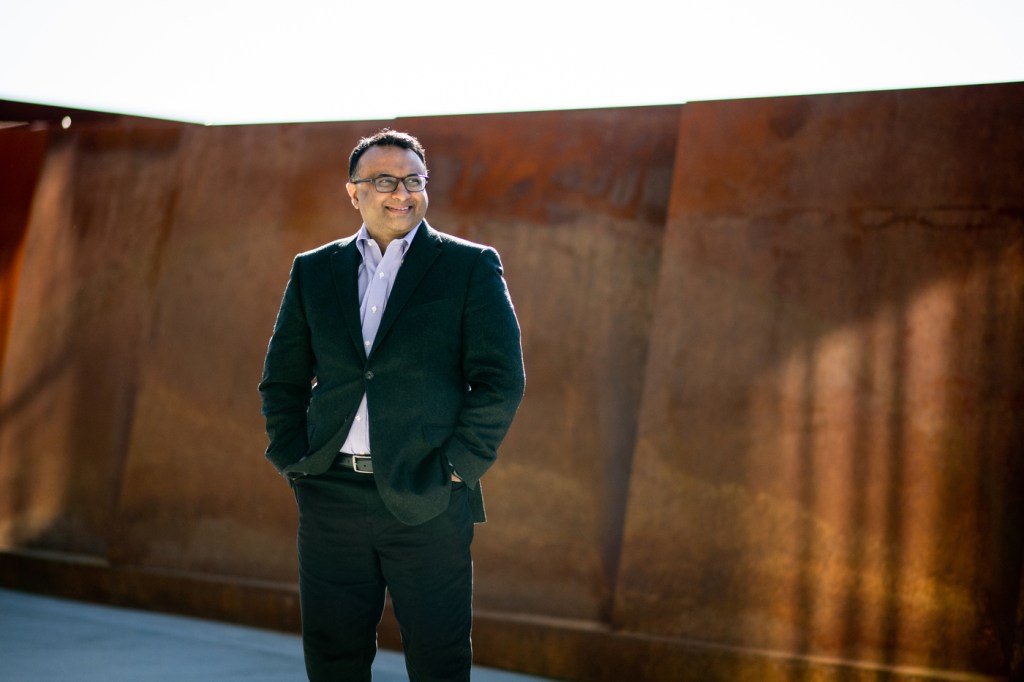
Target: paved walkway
[(52, 640)]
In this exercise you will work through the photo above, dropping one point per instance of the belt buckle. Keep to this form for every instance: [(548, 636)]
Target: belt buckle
[(355, 464)]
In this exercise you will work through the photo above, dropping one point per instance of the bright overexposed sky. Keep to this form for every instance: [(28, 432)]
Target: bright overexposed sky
[(252, 61)]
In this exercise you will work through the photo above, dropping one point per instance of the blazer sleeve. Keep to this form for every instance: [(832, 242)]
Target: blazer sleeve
[(492, 363), (288, 371)]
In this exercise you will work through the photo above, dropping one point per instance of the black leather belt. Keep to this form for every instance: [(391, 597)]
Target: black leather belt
[(361, 464)]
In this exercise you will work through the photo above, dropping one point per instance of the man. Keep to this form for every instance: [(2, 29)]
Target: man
[(392, 376)]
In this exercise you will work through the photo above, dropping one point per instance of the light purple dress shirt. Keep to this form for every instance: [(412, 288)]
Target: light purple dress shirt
[(377, 275)]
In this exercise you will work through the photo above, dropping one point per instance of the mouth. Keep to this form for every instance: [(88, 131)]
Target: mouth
[(399, 210)]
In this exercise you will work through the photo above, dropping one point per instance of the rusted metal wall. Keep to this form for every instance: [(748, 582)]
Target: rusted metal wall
[(21, 154), (834, 385), (773, 368)]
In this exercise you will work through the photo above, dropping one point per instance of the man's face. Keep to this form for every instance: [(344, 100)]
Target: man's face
[(388, 216)]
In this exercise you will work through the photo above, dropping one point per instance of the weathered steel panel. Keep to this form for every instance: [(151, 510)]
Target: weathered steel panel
[(828, 461)]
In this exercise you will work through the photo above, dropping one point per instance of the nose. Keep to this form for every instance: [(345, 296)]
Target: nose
[(401, 192)]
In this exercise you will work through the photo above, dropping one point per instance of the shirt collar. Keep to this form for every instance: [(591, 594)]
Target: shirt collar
[(363, 237)]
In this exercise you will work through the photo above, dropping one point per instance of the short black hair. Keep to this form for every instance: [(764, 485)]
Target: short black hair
[(385, 138)]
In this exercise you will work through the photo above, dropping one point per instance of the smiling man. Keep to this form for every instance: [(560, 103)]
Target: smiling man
[(392, 376)]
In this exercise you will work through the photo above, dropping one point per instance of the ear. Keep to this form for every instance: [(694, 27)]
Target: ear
[(353, 193)]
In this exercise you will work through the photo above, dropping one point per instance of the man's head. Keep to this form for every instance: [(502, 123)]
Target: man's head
[(385, 138), (375, 164)]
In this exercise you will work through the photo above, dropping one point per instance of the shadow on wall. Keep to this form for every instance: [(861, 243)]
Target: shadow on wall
[(898, 433)]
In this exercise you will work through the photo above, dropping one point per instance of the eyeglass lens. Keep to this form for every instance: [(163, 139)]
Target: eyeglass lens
[(413, 183)]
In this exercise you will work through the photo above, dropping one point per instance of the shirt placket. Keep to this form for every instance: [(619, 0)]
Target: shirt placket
[(377, 296), (374, 301)]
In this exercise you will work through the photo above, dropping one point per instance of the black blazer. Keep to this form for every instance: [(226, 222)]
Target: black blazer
[(443, 379)]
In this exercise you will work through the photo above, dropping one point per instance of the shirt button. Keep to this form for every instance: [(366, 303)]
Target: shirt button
[(381, 275), (368, 375), (373, 309), (359, 418), (366, 343)]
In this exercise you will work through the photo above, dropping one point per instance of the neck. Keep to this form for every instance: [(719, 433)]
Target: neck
[(383, 240)]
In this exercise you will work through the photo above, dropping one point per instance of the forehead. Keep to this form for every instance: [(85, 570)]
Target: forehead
[(389, 160)]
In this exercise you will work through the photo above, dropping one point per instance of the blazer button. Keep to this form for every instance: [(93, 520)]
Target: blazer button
[(368, 375)]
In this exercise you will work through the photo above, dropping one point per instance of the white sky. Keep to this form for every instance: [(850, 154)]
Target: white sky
[(250, 61)]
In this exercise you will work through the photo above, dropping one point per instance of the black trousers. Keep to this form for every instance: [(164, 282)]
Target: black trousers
[(352, 550)]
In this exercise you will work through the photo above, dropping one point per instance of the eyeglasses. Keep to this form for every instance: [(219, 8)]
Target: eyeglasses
[(389, 183)]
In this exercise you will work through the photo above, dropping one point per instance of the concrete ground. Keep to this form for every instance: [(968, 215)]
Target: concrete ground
[(43, 639)]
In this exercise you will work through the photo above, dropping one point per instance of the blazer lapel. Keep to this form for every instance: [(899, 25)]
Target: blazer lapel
[(345, 268), (425, 247)]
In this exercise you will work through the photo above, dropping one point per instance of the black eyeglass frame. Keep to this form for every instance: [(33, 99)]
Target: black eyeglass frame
[(392, 179)]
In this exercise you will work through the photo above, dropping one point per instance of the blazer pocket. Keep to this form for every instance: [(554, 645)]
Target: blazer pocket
[(437, 309), (429, 297)]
